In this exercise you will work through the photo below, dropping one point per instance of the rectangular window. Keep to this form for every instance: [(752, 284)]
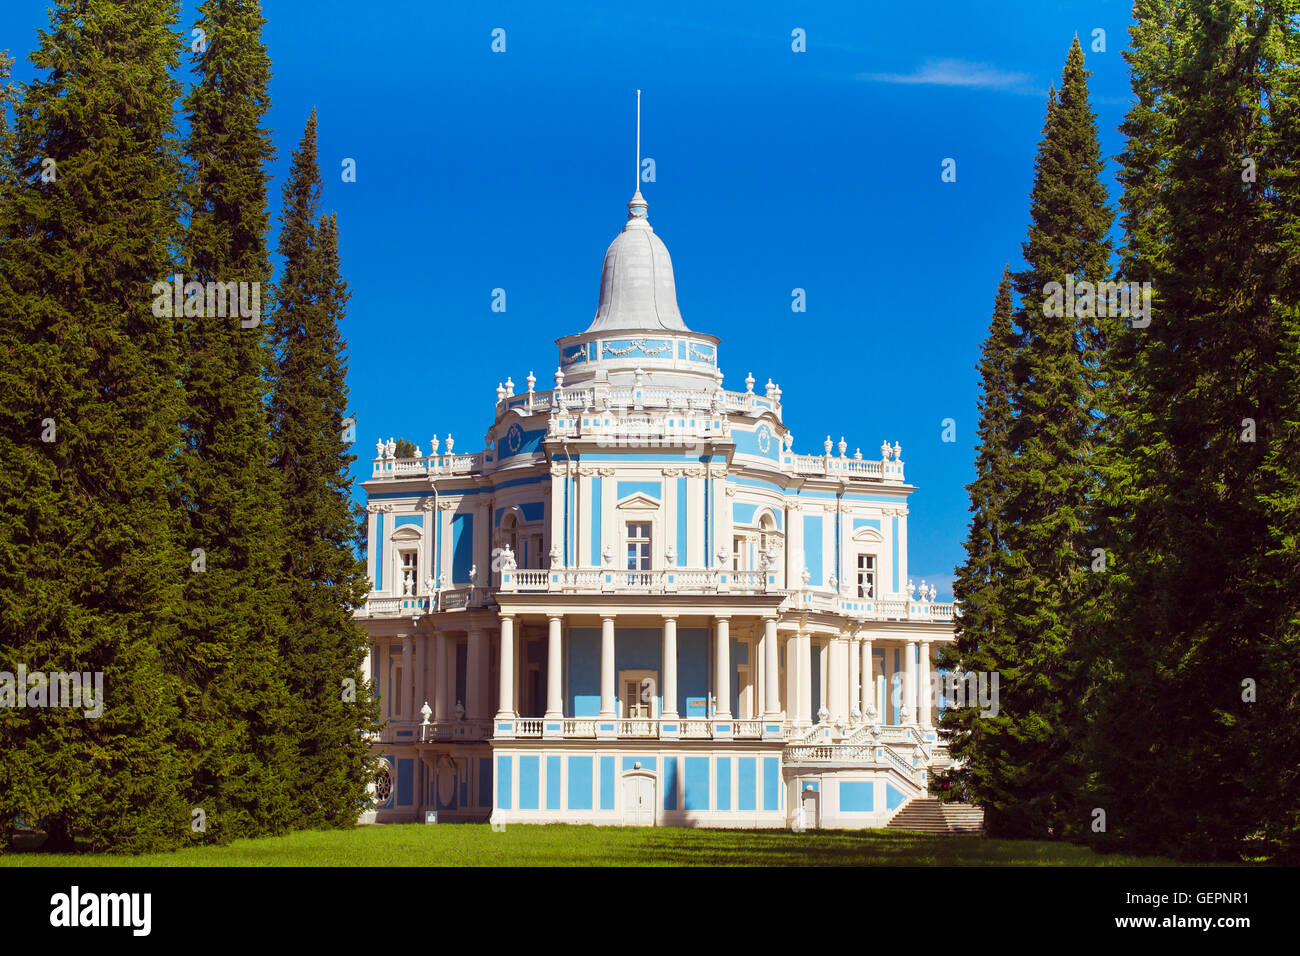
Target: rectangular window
[(638, 546), (866, 575), (738, 554)]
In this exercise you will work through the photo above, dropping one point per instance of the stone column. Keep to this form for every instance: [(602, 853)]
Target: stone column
[(475, 705), (909, 682), (506, 691), (771, 669), (805, 678), (607, 675), (855, 682), (722, 670), (868, 689), (835, 684), (670, 669), (923, 686), (792, 677), (440, 706), (554, 665), (421, 667), (404, 691)]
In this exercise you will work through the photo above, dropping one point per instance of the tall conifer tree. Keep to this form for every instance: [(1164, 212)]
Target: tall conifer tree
[(1173, 739), (1031, 774), (236, 723), (323, 651), (89, 409), (980, 578)]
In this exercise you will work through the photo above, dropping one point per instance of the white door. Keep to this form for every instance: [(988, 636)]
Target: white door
[(638, 800), (810, 809)]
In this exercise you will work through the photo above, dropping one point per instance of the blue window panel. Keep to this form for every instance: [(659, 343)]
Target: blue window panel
[(553, 783), (747, 783), (462, 548), (893, 798), (771, 783), (857, 796), (485, 781), (670, 783), (503, 783), (579, 783), (606, 783), (724, 783), (697, 783), (379, 551), (528, 782), (405, 782), (812, 549)]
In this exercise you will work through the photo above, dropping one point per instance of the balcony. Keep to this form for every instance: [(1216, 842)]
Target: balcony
[(662, 581), (903, 608)]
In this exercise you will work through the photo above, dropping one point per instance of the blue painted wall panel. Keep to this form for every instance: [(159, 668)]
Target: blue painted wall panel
[(692, 666), (893, 533), (857, 796), (528, 782), (697, 783), (812, 548), (595, 522), (893, 798), (583, 685), (771, 783), (405, 782), (747, 783), (579, 783), (670, 783), (724, 783), (379, 551), (485, 781), (606, 783), (417, 520), (462, 547), (817, 651), (652, 488), (553, 783), (681, 525)]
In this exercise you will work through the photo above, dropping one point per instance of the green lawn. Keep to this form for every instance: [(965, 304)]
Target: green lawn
[(559, 845)]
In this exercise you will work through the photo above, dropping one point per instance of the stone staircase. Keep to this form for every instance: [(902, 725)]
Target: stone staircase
[(928, 815)]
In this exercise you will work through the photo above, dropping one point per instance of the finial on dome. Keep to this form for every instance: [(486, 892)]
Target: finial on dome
[(636, 209)]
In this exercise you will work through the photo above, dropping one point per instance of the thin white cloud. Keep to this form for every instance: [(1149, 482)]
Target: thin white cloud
[(958, 73)]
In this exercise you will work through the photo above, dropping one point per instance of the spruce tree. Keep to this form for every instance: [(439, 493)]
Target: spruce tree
[(1031, 775), (89, 408), (1274, 723), (235, 724), (978, 581), (1187, 616), (323, 650)]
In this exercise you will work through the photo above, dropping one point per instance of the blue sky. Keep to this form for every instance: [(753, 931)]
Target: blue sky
[(774, 170)]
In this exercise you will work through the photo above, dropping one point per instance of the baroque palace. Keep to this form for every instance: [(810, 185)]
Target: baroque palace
[(638, 605)]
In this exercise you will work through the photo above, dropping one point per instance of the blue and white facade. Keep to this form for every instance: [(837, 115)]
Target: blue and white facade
[(638, 604)]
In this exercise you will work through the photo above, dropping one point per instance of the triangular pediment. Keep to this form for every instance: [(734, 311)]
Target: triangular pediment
[(638, 501)]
